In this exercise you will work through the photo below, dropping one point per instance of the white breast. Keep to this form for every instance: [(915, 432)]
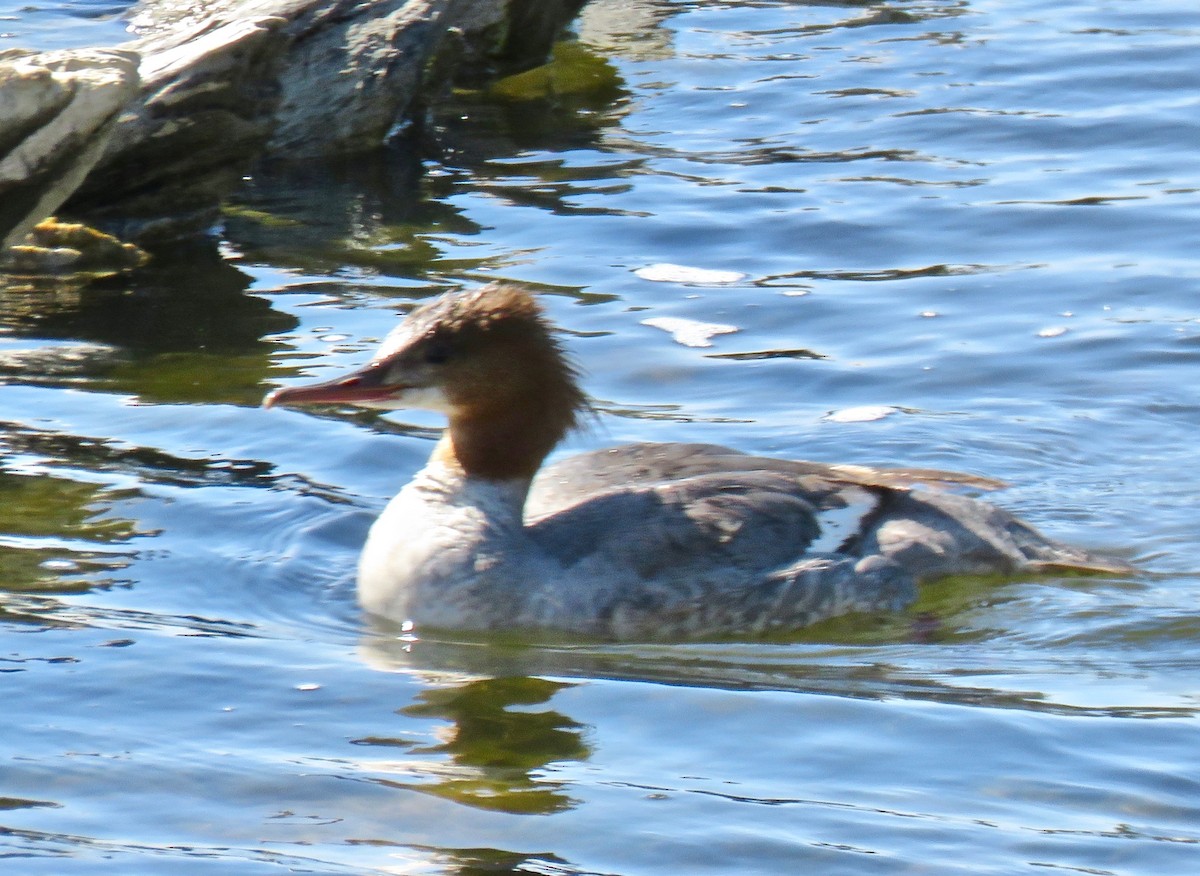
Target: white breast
[(432, 554)]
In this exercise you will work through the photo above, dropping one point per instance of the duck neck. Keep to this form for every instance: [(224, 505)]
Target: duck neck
[(503, 449)]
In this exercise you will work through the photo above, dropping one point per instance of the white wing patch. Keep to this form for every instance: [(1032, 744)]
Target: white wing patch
[(838, 524)]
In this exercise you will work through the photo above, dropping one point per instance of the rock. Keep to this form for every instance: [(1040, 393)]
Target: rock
[(59, 111), (352, 73), (69, 252), (203, 113), (224, 83)]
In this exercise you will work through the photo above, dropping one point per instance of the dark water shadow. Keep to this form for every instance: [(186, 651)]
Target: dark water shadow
[(181, 329)]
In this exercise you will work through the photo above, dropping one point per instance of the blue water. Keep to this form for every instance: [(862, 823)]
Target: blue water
[(972, 225), (67, 24)]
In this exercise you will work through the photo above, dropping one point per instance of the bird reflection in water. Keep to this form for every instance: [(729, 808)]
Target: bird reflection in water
[(499, 758)]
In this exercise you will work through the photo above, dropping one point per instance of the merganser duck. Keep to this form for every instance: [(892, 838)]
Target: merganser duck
[(643, 541)]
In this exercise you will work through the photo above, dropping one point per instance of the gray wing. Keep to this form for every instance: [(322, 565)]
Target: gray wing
[(577, 477), (707, 501), (747, 552), (750, 520)]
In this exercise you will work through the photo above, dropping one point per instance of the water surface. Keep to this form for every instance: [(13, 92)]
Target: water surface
[(66, 24), (951, 234)]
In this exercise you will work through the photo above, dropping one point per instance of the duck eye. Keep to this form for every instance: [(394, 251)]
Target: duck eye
[(436, 353)]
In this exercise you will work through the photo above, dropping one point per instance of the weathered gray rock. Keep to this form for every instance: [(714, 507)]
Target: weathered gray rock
[(203, 112), (59, 110), (226, 82), (353, 70)]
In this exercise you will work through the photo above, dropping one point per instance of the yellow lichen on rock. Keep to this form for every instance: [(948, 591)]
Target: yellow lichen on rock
[(65, 250)]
